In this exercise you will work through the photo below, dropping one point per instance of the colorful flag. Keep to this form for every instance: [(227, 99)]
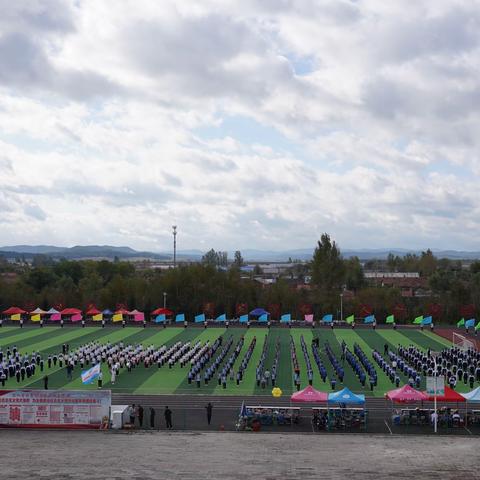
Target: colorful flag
[(418, 320), (461, 323), (470, 323), (243, 319), (35, 318), (222, 318), (263, 318), (55, 317), (427, 320), (160, 318), (369, 319), (200, 318), (390, 319), (309, 318), (88, 376), (77, 317), (180, 318), (350, 319), (139, 317), (118, 317), (15, 316), (327, 318), (98, 317), (286, 317)]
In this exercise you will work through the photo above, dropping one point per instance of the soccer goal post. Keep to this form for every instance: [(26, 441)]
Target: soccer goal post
[(462, 342)]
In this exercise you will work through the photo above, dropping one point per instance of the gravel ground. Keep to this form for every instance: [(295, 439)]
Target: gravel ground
[(161, 455)]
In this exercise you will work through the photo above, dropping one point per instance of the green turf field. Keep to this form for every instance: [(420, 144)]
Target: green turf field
[(153, 380)]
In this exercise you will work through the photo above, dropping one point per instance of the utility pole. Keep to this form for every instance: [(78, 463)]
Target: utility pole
[(174, 227)]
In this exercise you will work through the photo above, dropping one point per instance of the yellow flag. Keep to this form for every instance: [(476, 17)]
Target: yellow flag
[(35, 318), (15, 317), (118, 317), (97, 318)]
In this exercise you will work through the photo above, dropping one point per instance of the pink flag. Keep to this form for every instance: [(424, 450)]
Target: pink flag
[(55, 317), (139, 317), (77, 317), (309, 318)]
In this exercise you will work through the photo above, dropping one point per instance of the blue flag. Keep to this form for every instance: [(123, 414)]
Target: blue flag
[(88, 376), (285, 318), (243, 319), (470, 323), (327, 318), (369, 319), (180, 318), (200, 318), (222, 318), (427, 320), (263, 318), (160, 318)]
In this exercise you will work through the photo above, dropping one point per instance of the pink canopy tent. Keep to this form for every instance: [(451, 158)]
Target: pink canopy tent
[(93, 311), (14, 311), (309, 395), (406, 394), (137, 316), (71, 311)]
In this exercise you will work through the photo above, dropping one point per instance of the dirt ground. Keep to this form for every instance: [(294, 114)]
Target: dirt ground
[(161, 455)]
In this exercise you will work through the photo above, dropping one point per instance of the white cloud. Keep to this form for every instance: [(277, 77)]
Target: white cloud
[(120, 119)]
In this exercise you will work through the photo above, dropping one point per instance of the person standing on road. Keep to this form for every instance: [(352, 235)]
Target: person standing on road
[(152, 417), (140, 415), (100, 380), (209, 409), (168, 418)]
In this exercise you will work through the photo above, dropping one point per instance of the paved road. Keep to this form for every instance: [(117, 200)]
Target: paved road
[(159, 455)]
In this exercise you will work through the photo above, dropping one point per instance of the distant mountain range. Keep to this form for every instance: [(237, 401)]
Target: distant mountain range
[(109, 252)]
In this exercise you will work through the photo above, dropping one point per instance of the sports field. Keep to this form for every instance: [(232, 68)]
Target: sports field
[(152, 380)]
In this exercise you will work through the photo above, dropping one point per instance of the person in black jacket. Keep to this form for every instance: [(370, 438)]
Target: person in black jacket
[(209, 409), (152, 417), (168, 418)]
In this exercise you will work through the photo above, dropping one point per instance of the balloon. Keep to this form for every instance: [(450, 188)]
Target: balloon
[(277, 392)]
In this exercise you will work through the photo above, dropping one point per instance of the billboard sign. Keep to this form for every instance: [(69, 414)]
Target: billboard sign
[(54, 408)]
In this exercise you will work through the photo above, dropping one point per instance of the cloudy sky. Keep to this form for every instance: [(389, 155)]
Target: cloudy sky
[(252, 124)]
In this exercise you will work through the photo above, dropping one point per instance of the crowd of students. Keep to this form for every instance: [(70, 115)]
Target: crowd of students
[(337, 367), (307, 360), (389, 369), (296, 365), (261, 373), (454, 364), (367, 365), (316, 355), (201, 359)]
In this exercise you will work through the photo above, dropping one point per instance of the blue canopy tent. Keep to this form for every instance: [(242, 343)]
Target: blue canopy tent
[(107, 314), (346, 409), (258, 312)]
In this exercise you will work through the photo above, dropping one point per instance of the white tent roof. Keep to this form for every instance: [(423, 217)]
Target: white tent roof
[(52, 310), (38, 310), (473, 396)]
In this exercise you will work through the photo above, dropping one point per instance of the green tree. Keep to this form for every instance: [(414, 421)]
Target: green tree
[(328, 269), (238, 259)]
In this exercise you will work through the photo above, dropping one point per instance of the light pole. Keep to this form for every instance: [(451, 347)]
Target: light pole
[(435, 392), (341, 307), (174, 228), (164, 299)]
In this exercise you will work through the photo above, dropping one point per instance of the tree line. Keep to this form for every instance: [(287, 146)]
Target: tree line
[(217, 285)]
